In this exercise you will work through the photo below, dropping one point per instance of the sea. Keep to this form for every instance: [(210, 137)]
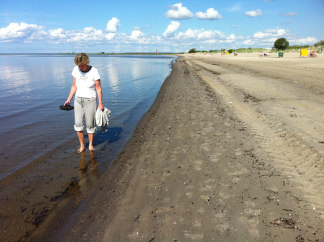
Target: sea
[(38, 162)]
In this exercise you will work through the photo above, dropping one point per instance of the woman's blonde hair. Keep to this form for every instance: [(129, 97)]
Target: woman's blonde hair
[(81, 58)]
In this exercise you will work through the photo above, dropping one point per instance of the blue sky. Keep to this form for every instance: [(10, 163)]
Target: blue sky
[(144, 26)]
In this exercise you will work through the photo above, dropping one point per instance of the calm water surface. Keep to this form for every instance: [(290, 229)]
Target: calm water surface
[(33, 86), (38, 164)]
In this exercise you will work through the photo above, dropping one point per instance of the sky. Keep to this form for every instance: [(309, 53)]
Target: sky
[(61, 26)]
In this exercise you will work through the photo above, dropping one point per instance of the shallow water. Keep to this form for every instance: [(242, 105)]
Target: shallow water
[(38, 163), (33, 86)]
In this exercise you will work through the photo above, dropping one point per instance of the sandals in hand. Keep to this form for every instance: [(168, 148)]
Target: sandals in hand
[(66, 107)]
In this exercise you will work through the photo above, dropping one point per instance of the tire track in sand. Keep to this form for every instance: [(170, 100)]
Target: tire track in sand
[(289, 154)]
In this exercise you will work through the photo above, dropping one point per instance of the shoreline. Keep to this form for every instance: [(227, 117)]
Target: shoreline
[(197, 169)]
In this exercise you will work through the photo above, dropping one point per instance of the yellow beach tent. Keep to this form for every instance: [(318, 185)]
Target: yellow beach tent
[(303, 52)]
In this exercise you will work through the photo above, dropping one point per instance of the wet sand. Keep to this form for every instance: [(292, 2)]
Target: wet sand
[(231, 150)]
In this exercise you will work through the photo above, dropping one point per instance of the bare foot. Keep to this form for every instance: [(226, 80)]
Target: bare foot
[(80, 150), (91, 148)]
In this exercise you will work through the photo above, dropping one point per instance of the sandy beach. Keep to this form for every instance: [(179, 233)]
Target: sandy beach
[(231, 150)]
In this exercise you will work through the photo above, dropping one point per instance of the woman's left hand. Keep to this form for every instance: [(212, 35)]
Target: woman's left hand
[(101, 106)]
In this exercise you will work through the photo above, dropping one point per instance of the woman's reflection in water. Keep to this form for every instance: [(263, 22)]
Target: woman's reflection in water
[(88, 173)]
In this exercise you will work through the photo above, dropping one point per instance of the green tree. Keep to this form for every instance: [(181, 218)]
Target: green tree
[(281, 44), (321, 42), (193, 50)]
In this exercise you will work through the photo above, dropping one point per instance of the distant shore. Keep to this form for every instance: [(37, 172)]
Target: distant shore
[(272, 54), (252, 52)]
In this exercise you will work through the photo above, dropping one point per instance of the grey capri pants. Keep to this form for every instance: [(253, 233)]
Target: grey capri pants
[(85, 107)]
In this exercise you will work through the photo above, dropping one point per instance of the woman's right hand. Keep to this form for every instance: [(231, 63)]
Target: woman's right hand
[(67, 102)]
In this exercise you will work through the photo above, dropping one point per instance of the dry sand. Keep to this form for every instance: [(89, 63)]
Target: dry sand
[(231, 150)]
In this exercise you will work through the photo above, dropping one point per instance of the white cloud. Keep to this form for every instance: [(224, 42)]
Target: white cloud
[(212, 41), (16, 31), (211, 13), (280, 32), (87, 34), (270, 33), (260, 35), (228, 40), (93, 39), (110, 36), (56, 33), (189, 34), (172, 27), (200, 34), (240, 37), (91, 30), (206, 35), (136, 34), (177, 11), (303, 41), (113, 25), (254, 13), (249, 42), (231, 37), (210, 34)]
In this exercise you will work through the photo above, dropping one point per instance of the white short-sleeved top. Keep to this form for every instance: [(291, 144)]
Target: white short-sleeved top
[(86, 82)]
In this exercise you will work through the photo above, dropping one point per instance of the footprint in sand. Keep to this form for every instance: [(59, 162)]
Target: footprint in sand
[(215, 157), (196, 223), (197, 165), (238, 152), (251, 226)]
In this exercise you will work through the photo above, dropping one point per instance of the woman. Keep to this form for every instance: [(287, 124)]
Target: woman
[(86, 82)]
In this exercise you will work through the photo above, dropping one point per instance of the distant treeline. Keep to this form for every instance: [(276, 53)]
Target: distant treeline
[(317, 45), (240, 50)]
